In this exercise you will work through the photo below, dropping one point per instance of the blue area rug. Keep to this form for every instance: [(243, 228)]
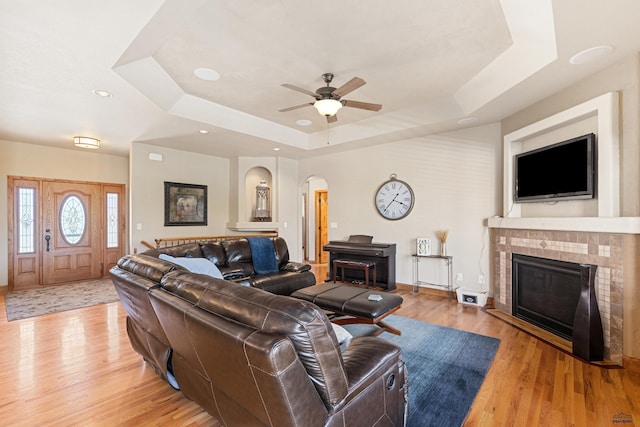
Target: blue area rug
[(446, 368)]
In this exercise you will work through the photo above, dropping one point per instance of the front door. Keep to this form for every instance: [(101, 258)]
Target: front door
[(71, 226), (63, 231)]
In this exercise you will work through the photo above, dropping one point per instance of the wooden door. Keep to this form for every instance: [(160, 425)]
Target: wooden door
[(71, 229), (322, 228), (63, 231)]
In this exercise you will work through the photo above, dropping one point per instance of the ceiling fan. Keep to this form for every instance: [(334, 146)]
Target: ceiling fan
[(328, 99)]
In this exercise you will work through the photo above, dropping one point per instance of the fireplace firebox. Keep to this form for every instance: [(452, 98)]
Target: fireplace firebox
[(559, 296)]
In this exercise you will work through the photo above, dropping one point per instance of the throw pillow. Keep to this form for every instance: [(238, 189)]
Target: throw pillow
[(195, 265), (341, 333)]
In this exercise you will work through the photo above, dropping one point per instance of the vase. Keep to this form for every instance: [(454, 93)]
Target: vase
[(443, 248)]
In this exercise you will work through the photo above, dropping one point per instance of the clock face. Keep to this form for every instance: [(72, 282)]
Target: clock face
[(394, 199)]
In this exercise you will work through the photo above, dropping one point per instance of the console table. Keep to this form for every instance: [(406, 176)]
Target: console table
[(448, 260)]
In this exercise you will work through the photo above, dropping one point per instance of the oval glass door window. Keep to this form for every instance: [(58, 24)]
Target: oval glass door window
[(72, 219)]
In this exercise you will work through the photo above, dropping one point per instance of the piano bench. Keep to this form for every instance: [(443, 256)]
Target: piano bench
[(365, 266)]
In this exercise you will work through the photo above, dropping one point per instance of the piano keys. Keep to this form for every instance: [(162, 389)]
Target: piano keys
[(383, 254)]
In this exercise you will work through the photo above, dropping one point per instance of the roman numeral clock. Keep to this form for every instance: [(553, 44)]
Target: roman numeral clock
[(394, 199)]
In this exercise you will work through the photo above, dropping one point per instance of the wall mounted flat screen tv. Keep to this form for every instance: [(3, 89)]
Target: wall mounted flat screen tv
[(562, 171)]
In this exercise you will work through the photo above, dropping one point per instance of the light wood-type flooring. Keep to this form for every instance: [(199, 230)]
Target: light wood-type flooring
[(78, 368)]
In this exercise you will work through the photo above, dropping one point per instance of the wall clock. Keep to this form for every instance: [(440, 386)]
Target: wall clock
[(394, 199)]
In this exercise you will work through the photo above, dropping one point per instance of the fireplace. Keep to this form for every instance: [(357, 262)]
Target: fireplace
[(559, 296), (546, 293)]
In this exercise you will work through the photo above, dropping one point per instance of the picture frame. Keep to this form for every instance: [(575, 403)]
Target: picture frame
[(185, 204), (423, 246)]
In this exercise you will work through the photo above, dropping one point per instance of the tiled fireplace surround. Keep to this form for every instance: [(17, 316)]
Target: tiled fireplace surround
[(606, 250)]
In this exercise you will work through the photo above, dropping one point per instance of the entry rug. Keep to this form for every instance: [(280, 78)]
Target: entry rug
[(56, 298), (446, 368)]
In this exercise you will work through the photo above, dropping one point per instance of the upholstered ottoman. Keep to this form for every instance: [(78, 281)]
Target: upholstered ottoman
[(350, 304)]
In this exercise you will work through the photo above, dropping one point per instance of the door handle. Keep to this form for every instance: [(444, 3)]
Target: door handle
[(47, 238)]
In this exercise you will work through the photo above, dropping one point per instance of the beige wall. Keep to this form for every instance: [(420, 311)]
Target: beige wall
[(455, 177), (38, 161), (622, 77), (147, 189)]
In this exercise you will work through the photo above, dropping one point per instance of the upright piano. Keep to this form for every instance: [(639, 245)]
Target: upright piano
[(383, 254)]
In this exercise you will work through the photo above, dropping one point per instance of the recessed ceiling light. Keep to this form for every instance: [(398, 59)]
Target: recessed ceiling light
[(276, 149), (591, 54), (102, 93), (203, 131), (206, 74), (467, 120), (303, 122)]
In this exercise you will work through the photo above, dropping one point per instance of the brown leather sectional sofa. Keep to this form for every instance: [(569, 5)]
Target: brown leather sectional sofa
[(234, 260), (252, 358)]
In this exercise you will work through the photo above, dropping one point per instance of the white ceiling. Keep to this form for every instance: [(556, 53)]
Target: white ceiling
[(429, 63)]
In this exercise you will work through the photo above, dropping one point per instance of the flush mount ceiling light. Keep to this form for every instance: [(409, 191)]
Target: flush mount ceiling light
[(328, 107), (206, 74), (86, 142), (102, 93), (591, 54), (303, 122)]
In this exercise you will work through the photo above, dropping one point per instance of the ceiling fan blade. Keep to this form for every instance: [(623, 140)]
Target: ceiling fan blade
[(284, 110), (349, 86), (362, 105), (299, 89), (332, 119)]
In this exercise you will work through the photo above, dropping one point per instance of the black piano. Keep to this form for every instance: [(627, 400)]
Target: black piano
[(384, 255)]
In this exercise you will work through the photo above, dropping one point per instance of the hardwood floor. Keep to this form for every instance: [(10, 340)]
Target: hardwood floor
[(78, 368)]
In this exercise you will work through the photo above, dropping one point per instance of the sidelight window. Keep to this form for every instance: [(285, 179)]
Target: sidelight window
[(112, 220), (26, 209)]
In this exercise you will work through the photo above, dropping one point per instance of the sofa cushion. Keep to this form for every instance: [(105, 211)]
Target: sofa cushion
[(195, 265), (191, 250), (282, 251), (214, 252), (238, 253)]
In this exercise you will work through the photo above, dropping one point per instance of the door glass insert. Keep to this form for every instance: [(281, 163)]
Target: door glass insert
[(26, 235), (72, 219), (112, 220)]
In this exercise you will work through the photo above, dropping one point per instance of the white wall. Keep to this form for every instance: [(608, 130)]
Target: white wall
[(622, 77), (147, 189), (455, 177), (39, 161)]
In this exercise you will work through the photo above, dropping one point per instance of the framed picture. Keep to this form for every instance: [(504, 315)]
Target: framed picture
[(185, 204), (423, 246)]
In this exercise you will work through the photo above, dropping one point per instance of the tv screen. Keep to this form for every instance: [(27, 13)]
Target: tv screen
[(563, 171)]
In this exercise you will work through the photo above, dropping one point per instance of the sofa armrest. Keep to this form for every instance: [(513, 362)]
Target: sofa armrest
[(295, 267), (369, 361)]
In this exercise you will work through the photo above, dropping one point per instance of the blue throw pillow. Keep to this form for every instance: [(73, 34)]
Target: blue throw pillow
[(195, 265)]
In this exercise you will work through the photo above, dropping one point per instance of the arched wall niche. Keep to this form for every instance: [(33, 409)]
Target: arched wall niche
[(251, 181), (245, 175)]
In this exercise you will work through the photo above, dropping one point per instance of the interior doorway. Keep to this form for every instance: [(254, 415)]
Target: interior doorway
[(322, 225), (315, 219), (62, 231)]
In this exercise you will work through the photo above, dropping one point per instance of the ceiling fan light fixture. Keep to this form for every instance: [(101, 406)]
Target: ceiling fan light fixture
[(86, 142), (327, 107)]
